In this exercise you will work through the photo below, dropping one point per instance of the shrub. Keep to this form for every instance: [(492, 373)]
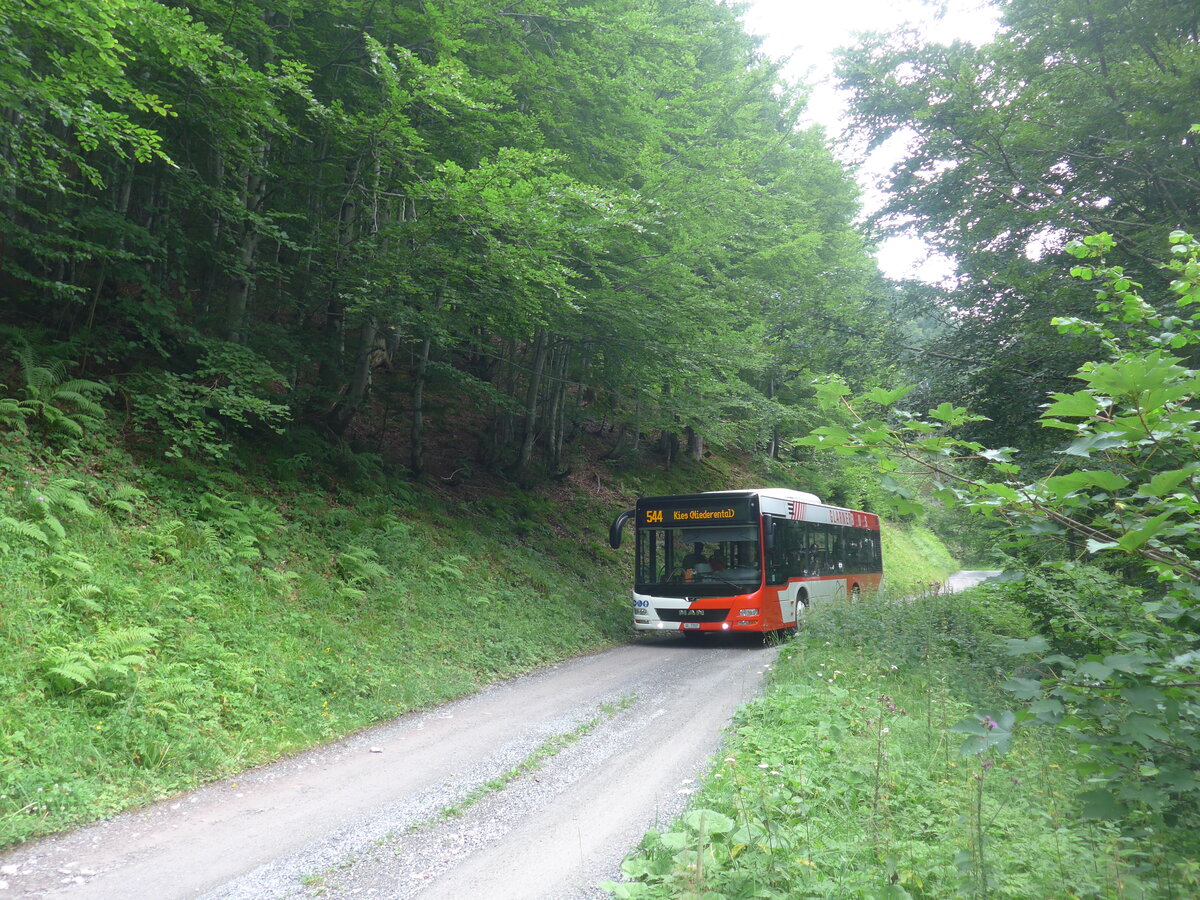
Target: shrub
[(1079, 609)]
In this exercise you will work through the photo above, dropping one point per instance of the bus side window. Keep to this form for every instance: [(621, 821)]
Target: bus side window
[(776, 555)]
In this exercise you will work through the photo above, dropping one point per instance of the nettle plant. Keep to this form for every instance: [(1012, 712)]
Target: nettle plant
[(1126, 484)]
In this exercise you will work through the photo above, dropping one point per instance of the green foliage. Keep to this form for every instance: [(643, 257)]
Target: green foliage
[(1126, 488), (182, 635), (1079, 609), (1065, 123), (914, 558), (844, 780), (41, 510), (60, 409), (100, 667), (236, 528), (197, 413), (625, 215)]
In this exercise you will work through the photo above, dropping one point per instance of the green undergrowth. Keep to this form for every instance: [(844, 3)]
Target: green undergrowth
[(914, 558), (160, 632), (850, 778)]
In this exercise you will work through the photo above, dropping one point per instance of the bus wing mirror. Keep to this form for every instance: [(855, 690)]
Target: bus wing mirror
[(771, 531), (614, 532)]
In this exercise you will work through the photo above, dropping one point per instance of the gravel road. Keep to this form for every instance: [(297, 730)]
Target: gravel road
[(582, 759), (960, 581)]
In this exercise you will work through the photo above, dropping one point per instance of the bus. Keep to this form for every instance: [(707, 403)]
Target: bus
[(745, 561)]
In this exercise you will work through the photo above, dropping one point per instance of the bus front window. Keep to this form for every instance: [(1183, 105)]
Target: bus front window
[(721, 558)]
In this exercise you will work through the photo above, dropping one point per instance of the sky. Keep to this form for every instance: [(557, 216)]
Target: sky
[(808, 32)]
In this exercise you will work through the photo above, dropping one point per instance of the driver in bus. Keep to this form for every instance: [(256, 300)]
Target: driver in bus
[(695, 563)]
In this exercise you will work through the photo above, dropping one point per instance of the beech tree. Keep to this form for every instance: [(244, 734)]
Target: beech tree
[(1070, 122), (257, 213)]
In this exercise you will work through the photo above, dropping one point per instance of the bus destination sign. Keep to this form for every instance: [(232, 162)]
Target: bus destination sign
[(666, 513)]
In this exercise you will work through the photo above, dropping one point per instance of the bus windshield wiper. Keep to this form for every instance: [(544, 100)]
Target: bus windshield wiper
[(741, 588)]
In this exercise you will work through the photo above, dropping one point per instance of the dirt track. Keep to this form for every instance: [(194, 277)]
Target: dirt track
[(639, 722)]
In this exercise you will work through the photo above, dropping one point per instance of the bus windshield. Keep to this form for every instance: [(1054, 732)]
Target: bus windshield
[(721, 559)]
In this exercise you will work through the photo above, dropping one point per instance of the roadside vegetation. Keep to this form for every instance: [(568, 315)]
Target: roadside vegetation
[(883, 762), (162, 631)]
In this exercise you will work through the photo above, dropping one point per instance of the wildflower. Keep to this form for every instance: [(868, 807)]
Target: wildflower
[(894, 668), (989, 723), (730, 759), (763, 766), (884, 730)]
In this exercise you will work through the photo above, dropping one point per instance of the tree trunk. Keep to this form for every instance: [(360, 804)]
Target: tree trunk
[(773, 446), (347, 405), (532, 406), (502, 436), (557, 413), (237, 298), (416, 455)]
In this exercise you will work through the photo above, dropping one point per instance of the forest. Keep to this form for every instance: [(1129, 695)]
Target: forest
[(252, 217), (260, 258)]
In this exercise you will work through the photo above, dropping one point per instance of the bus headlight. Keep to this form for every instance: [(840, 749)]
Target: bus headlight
[(747, 612)]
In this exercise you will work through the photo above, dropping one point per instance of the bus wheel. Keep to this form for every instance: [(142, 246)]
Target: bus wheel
[(801, 605)]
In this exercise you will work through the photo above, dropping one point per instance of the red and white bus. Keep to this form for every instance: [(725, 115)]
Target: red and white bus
[(730, 561)]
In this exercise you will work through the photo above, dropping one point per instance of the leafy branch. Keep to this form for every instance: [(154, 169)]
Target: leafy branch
[(1126, 483)]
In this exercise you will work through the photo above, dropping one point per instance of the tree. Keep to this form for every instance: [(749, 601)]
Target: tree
[(1068, 123), (1127, 485)]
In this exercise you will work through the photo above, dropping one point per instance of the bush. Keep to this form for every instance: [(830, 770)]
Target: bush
[(1079, 609)]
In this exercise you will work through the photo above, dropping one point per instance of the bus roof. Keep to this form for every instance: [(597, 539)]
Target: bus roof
[(774, 493)]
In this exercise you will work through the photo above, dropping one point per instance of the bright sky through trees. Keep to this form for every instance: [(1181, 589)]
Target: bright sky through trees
[(807, 33)]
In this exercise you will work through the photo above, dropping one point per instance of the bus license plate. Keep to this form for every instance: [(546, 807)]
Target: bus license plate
[(691, 624)]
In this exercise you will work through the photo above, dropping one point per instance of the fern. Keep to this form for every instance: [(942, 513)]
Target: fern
[(100, 667), (124, 498), (163, 541), (70, 667), (349, 592), (57, 406), (87, 596), (360, 565), (29, 530), (13, 414), (449, 568), (66, 564), (125, 647), (66, 492)]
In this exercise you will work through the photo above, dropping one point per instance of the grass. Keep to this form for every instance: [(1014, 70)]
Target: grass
[(914, 557), (848, 779), (181, 635)]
